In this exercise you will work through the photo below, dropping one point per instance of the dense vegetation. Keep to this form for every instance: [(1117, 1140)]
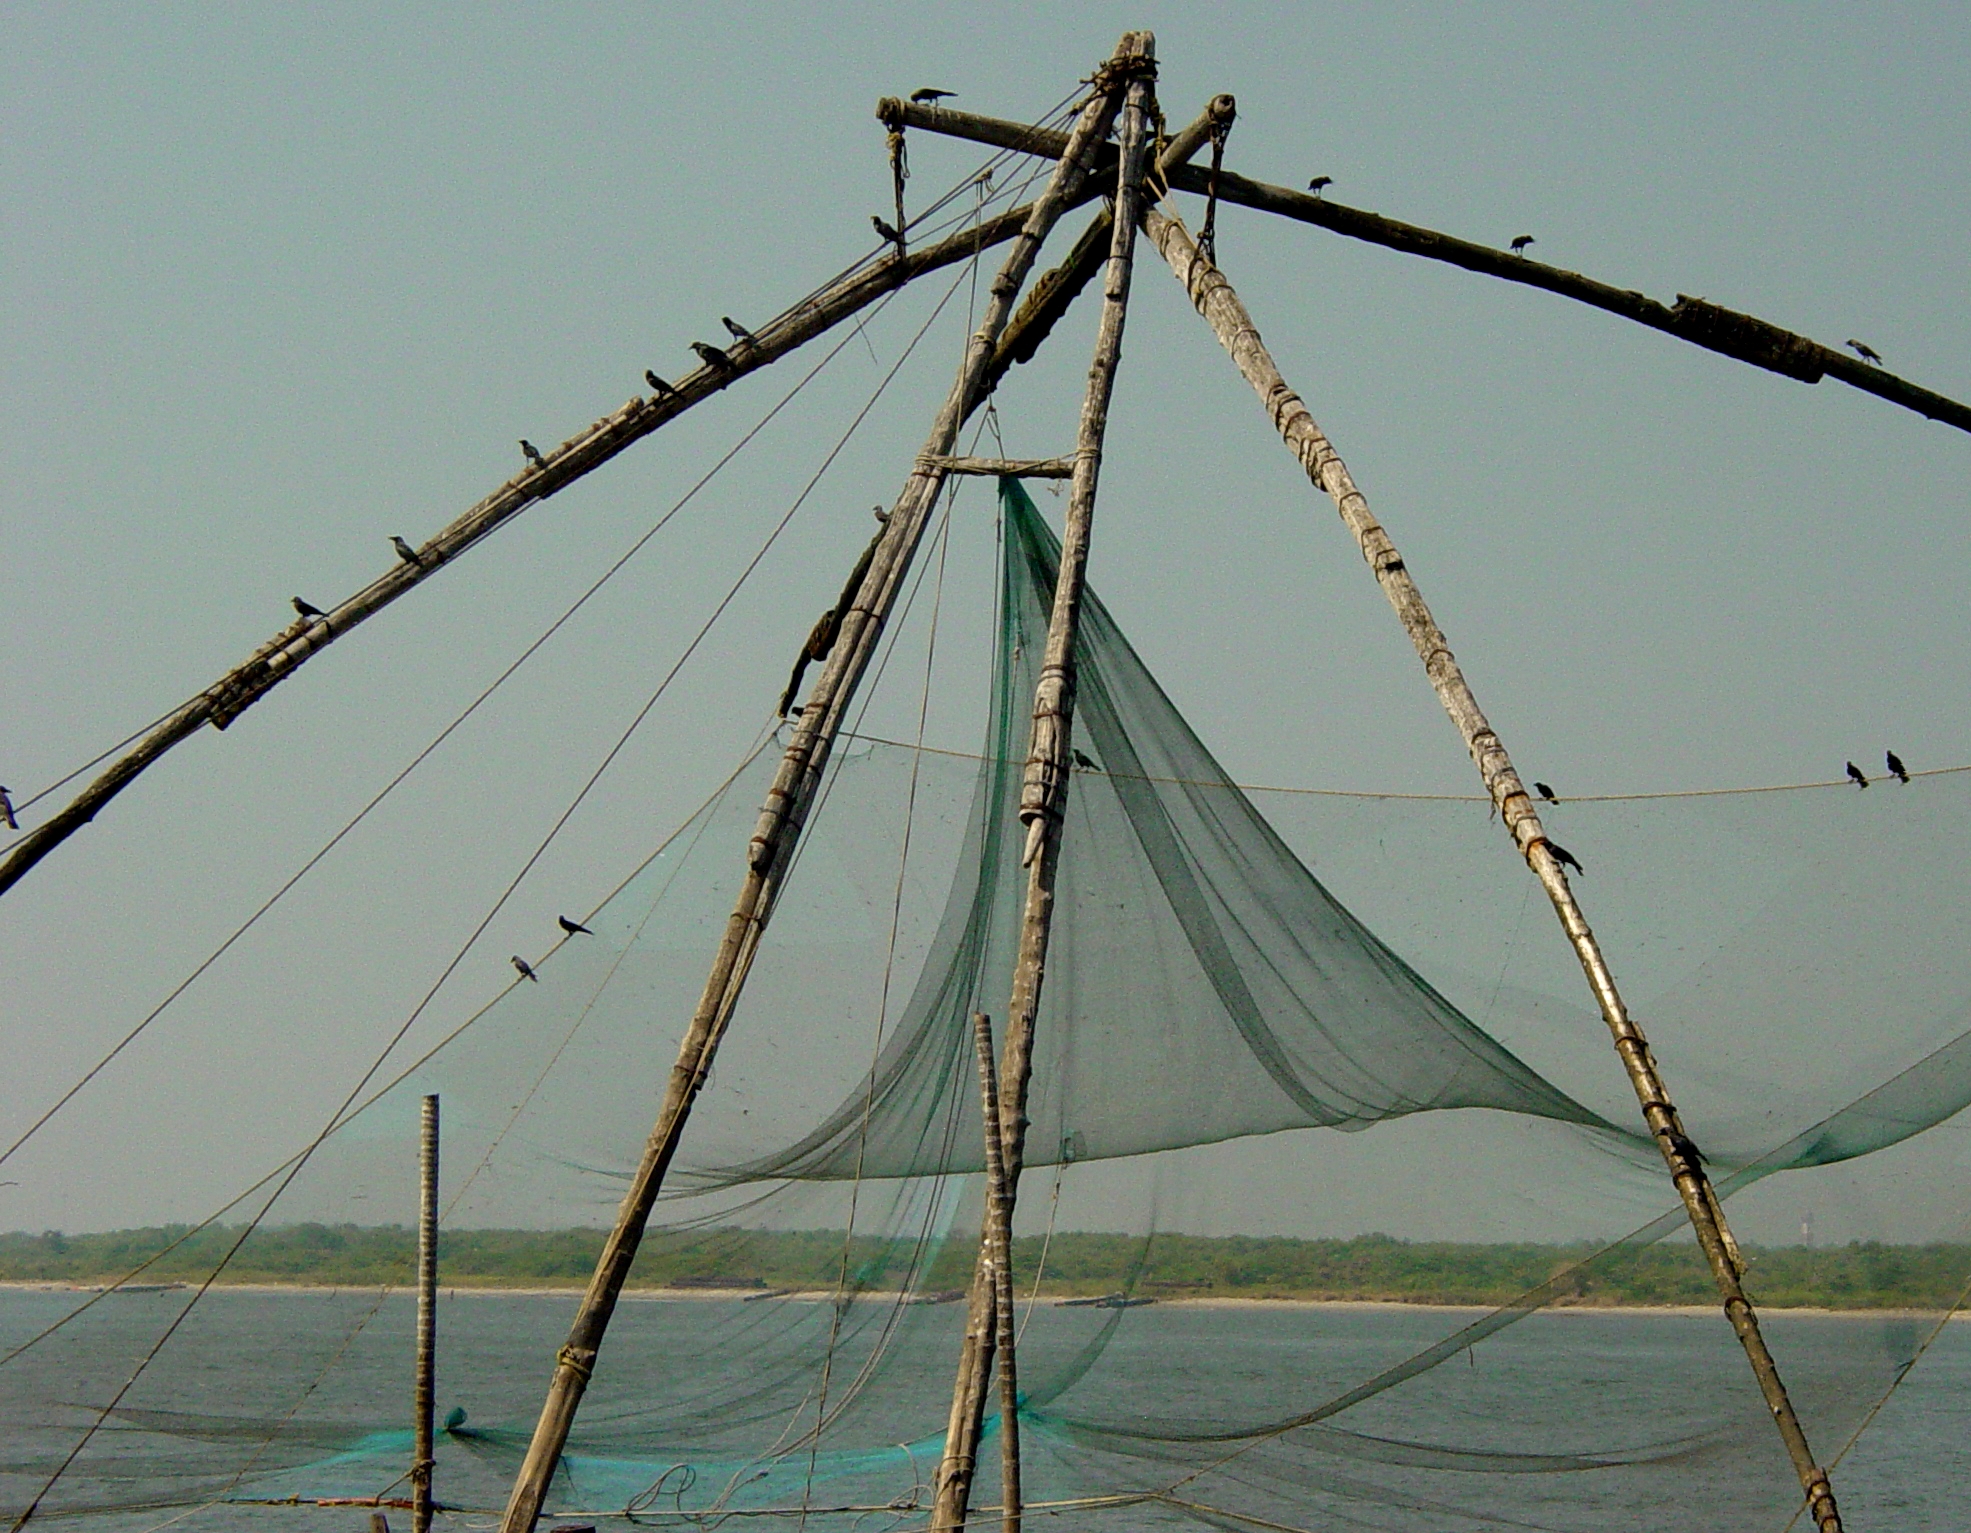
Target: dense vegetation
[(1860, 1276)]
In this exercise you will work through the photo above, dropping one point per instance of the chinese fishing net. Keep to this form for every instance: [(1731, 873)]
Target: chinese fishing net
[(1349, 1015)]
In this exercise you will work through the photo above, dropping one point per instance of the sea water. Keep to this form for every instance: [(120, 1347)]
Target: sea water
[(701, 1406)]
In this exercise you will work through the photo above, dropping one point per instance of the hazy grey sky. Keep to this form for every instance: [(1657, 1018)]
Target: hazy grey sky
[(282, 283)]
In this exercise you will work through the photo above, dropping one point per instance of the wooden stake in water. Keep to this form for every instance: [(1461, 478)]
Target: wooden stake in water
[(424, 1404)]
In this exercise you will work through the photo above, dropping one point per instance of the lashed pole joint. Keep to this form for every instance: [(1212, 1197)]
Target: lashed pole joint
[(1221, 307)]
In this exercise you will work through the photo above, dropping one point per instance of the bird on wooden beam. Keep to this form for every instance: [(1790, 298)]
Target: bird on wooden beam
[(663, 389), (309, 611), (1520, 242), (1896, 768), (738, 331), (1545, 792), (1865, 351), (524, 969), (405, 552), (1685, 1149), (1857, 776), (533, 453), (1564, 857), (711, 356), (929, 97), (1320, 184), (7, 812), (885, 232), (571, 927)]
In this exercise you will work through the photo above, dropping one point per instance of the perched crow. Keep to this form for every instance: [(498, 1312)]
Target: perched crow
[(1687, 1152), (1545, 792), (1564, 857), (1866, 352), (1320, 184), (308, 609), (1084, 763), (405, 552), (738, 331), (663, 389), (533, 453), (7, 812), (571, 927), (884, 231), (1896, 768), (929, 97), (1520, 242), (1856, 774), (711, 356), (526, 970)]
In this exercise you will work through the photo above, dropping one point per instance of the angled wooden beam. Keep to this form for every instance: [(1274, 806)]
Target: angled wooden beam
[(1010, 468), (1696, 320)]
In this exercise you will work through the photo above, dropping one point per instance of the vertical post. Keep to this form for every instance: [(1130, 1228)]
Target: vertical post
[(1222, 308), (1045, 787), (425, 1401), (999, 1259), (781, 818)]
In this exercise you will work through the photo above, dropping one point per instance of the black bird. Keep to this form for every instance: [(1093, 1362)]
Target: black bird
[(1520, 242), (1564, 857), (1863, 350), (1859, 777), (1686, 1151), (884, 231), (571, 927), (1084, 763), (533, 453), (929, 97), (738, 331), (405, 552), (526, 969), (1896, 768), (711, 356), (7, 812), (1320, 184), (308, 609), (1545, 792), (664, 390)]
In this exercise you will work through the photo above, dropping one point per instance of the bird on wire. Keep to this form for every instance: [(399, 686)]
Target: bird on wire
[(7, 812), (533, 453), (1896, 768), (1564, 857), (525, 969), (571, 927), (1081, 760), (1320, 184), (885, 232), (405, 552), (1857, 776), (929, 97), (711, 356), (1545, 792), (1865, 351), (1520, 242), (663, 389), (738, 331), (309, 610)]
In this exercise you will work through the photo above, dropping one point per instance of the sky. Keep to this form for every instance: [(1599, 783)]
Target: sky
[(282, 283)]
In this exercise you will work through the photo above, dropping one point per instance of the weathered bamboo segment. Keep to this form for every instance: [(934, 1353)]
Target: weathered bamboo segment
[(1045, 787), (425, 1391), (781, 818), (1221, 307), (1705, 324), (1010, 468), (997, 1256)]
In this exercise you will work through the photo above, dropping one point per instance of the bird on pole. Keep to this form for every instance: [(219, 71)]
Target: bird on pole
[(1564, 857), (1320, 184), (309, 610), (1545, 792), (1865, 351), (571, 927), (533, 453), (525, 969), (1896, 768), (7, 812), (885, 232), (1857, 776), (663, 390), (405, 552), (929, 97), (1520, 242), (738, 331), (711, 356)]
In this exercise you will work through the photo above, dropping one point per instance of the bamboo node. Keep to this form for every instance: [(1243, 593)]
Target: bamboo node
[(577, 1360)]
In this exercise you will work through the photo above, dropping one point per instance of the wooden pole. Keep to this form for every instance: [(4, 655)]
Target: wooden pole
[(1011, 468), (425, 1402), (1715, 328), (998, 1258), (1045, 787), (1222, 309), (781, 817)]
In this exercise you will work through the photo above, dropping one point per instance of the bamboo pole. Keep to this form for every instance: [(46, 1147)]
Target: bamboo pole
[(998, 1256), (1010, 468), (781, 818), (425, 1393), (1045, 788), (1709, 325), (1221, 307)]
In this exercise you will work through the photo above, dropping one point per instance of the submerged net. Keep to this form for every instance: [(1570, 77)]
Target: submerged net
[(1213, 1008)]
